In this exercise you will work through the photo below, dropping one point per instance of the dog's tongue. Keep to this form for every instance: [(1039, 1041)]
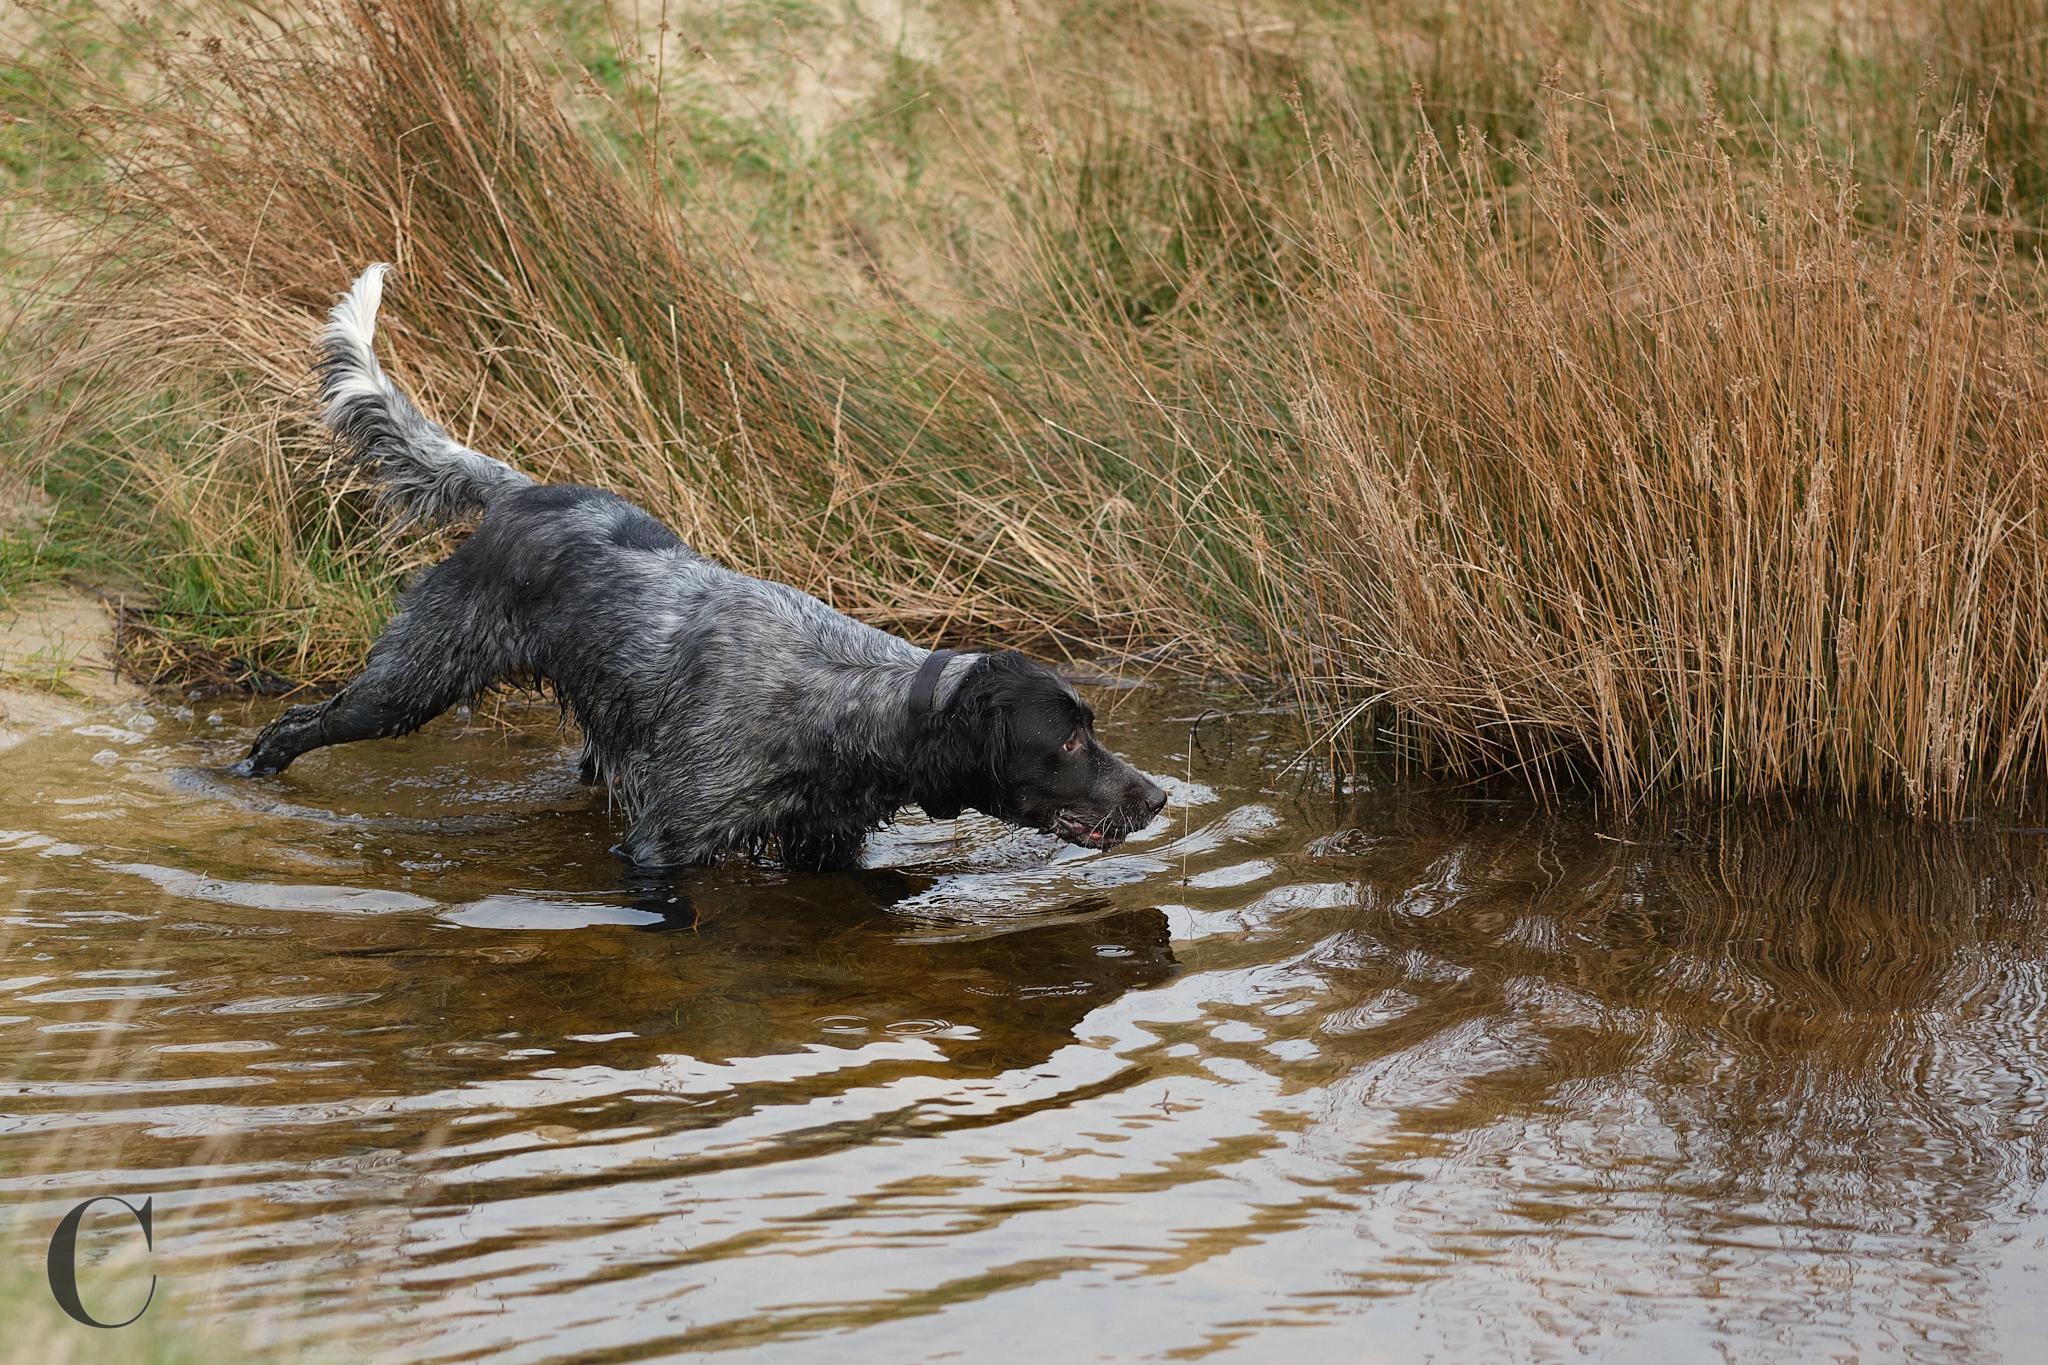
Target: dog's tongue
[(1088, 836)]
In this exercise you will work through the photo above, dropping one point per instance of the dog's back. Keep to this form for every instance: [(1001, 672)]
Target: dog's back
[(667, 659)]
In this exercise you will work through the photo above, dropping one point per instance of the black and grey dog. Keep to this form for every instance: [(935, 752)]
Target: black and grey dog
[(728, 714)]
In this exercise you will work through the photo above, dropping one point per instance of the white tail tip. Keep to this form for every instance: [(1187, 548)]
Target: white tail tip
[(355, 317)]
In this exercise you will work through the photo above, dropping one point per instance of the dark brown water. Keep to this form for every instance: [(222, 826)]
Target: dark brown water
[(399, 1053)]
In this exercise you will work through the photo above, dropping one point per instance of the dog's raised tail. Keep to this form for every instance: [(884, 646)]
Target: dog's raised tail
[(423, 474)]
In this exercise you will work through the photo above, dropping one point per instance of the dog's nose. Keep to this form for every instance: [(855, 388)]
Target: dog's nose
[(1151, 797)]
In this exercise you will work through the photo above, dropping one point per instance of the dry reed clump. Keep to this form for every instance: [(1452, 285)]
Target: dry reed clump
[(1686, 479), (549, 307)]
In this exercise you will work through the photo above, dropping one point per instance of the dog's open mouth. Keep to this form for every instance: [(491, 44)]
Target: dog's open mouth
[(1076, 830)]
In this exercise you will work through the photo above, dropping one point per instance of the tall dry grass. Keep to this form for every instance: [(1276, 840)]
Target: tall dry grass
[(550, 304), (1683, 478), (1580, 392)]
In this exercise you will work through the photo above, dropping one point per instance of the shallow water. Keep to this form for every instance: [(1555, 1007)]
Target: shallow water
[(402, 1057)]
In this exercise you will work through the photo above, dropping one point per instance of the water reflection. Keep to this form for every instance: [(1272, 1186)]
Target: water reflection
[(393, 1043), (1790, 1064)]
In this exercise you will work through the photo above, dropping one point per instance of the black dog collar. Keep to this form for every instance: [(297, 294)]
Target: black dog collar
[(926, 684)]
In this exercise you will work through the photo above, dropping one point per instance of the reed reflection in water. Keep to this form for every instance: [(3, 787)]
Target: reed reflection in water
[(1786, 1066)]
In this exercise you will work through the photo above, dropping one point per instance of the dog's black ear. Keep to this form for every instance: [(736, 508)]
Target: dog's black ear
[(964, 746), (944, 768)]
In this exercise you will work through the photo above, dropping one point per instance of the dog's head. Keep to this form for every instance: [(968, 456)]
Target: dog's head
[(1015, 741)]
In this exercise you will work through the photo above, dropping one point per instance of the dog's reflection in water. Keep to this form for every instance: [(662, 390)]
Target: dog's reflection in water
[(722, 963)]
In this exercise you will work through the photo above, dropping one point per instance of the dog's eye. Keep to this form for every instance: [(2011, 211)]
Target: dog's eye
[(1073, 744)]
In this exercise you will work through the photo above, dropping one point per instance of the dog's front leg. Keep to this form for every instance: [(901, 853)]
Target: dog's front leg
[(434, 653), (296, 731), (358, 711)]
